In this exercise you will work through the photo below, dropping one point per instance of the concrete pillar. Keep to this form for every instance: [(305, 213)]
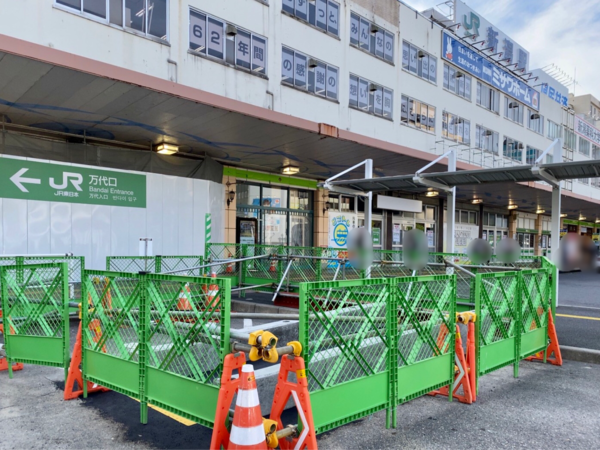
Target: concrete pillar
[(512, 224), (321, 219), (439, 226), (230, 210), (537, 251), (481, 221)]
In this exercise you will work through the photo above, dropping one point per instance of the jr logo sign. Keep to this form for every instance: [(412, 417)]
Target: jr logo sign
[(32, 180)]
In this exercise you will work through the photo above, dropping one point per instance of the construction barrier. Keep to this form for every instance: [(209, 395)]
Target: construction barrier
[(137, 341), (35, 314), (155, 264), (392, 339)]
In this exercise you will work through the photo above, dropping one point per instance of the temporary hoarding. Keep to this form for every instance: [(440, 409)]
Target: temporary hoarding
[(474, 63), (474, 25)]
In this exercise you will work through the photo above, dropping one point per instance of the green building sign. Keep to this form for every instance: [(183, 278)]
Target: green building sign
[(30, 180)]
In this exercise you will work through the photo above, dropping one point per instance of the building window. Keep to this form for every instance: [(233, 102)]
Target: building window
[(535, 121), (486, 139), (309, 74), (456, 128), (595, 151), (417, 114), (513, 149), (570, 139), (457, 82), (370, 37), (554, 130), (488, 98), (532, 155), (466, 217), (321, 14), (513, 110), (146, 17), (585, 146), (224, 41), (419, 62), (371, 97)]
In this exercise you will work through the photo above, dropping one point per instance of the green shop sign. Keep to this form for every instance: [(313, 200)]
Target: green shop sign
[(29, 180)]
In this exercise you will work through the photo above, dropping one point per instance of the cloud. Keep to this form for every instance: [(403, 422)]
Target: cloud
[(561, 32)]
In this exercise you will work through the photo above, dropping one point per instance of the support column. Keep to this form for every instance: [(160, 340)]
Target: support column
[(451, 207), (369, 199), (537, 241), (230, 210), (321, 219), (439, 226), (481, 221), (512, 224), (555, 219)]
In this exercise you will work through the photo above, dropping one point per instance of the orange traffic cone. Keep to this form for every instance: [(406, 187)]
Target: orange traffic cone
[(247, 431), (229, 268), (553, 347), (184, 298), (4, 361), (273, 267)]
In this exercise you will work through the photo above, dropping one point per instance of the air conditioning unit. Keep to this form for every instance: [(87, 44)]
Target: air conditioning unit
[(231, 30)]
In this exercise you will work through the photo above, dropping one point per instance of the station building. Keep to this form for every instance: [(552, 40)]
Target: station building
[(135, 118)]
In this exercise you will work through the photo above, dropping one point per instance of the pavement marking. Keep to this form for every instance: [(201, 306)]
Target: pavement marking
[(580, 307), (578, 317)]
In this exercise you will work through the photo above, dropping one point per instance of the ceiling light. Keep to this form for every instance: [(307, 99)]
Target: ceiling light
[(540, 211), (581, 217), (597, 220), (513, 206), (477, 201), (167, 149), (290, 170), (564, 215), (432, 194)]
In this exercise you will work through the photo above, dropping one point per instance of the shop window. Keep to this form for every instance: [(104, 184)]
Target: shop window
[(371, 38), (371, 97), (309, 74), (213, 37)]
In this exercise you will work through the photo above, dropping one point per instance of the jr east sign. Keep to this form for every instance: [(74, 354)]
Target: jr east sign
[(475, 64), (30, 180)]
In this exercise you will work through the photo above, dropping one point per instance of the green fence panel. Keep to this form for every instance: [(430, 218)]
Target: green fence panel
[(35, 309), (131, 264), (346, 346), (425, 321), (497, 304), (111, 331), (187, 340), (75, 268), (224, 252), (188, 265), (535, 301)]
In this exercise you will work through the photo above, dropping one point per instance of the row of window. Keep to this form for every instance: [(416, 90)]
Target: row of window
[(417, 114), (310, 74), (456, 128), (419, 62), (457, 82), (322, 14), (369, 97)]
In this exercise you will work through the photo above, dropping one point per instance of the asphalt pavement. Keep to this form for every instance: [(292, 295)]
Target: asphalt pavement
[(578, 311)]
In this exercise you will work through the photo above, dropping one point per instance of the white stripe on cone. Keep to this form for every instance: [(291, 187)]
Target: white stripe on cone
[(247, 399), (247, 436)]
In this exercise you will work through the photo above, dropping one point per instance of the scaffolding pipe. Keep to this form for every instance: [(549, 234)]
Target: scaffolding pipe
[(220, 263), (251, 287), (287, 269)]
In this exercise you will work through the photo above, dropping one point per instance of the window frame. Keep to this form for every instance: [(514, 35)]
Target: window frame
[(516, 150), (481, 131), (515, 115), (493, 96), (107, 20), (536, 129), (456, 90), (418, 115), (580, 141), (372, 40), (446, 129), (305, 87), (370, 98), (306, 21), (418, 72)]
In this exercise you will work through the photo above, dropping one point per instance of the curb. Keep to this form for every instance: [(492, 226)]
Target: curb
[(586, 355)]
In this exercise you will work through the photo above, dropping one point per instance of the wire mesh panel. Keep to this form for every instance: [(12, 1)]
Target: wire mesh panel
[(535, 301), (497, 303), (75, 267), (223, 253), (184, 265), (187, 340), (35, 310), (111, 331), (263, 270), (131, 264), (345, 336), (425, 309)]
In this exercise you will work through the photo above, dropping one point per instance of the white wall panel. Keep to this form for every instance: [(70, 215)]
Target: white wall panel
[(201, 207), (81, 229), (100, 236), (136, 229), (119, 230), (217, 210), (154, 212), (170, 231), (38, 227), (14, 219), (185, 206), (60, 227)]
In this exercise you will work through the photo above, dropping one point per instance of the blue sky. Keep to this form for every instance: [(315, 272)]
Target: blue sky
[(563, 32)]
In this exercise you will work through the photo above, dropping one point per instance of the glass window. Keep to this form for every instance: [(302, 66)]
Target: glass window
[(116, 12), (532, 155), (371, 37), (197, 32), (247, 194), (347, 204), (321, 14), (288, 6), (365, 32), (488, 97), (412, 62), (242, 49), (157, 18), (513, 149), (309, 73), (354, 29), (421, 115), (419, 62), (464, 217), (513, 110), (584, 146), (135, 15), (215, 38), (379, 101), (274, 197), (535, 121), (389, 47), (96, 7), (287, 66), (332, 82), (333, 14), (473, 217), (76, 4)]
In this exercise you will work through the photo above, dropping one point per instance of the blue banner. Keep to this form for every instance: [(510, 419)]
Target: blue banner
[(475, 64)]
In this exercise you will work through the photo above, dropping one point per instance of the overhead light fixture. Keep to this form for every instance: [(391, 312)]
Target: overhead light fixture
[(312, 63), (597, 220), (167, 149), (513, 105), (373, 87), (432, 194), (540, 211), (290, 170), (581, 217), (421, 54), (477, 201), (374, 29), (231, 30), (564, 215), (459, 75), (535, 116), (513, 206)]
